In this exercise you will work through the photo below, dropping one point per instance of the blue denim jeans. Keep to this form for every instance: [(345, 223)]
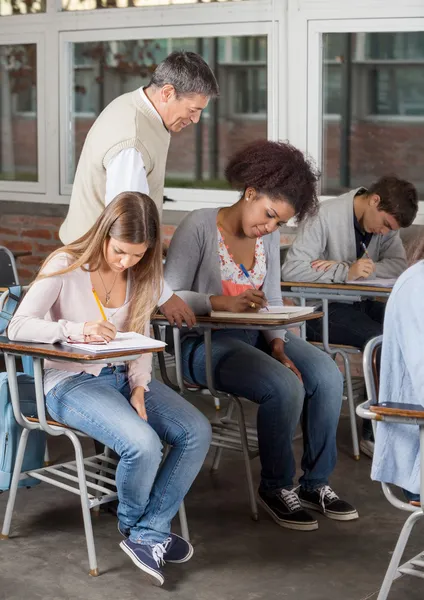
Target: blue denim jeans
[(242, 365), (149, 493)]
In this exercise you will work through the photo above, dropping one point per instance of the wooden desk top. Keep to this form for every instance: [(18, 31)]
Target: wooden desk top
[(248, 321), (67, 353), (344, 287)]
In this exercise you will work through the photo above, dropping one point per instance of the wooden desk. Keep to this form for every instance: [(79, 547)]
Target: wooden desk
[(68, 353)]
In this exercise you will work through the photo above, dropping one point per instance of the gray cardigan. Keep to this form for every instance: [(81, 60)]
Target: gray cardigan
[(192, 266), (331, 236)]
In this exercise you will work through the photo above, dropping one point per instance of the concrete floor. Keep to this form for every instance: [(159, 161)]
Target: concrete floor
[(235, 558)]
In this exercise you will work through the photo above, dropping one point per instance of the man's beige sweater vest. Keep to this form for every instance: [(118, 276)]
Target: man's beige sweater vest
[(127, 122)]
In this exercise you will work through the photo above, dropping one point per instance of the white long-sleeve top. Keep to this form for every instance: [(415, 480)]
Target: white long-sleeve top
[(56, 308), (126, 172)]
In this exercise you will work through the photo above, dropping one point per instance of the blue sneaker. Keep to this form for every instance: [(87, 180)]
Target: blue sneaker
[(178, 550), (147, 558)]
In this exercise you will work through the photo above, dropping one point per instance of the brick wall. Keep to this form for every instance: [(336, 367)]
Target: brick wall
[(38, 235), (35, 234)]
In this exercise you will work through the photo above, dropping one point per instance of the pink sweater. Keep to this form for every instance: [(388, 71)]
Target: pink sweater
[(55, 310)]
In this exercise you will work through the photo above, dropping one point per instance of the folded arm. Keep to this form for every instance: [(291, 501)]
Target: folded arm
[(309, 246)]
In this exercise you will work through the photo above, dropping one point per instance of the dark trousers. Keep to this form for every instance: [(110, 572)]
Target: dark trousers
[(352, 325)]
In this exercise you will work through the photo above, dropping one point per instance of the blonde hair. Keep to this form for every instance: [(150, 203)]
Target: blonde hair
[(131, 218)]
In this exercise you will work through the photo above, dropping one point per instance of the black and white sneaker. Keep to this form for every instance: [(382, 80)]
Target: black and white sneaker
[(286, 510), (327, 502)]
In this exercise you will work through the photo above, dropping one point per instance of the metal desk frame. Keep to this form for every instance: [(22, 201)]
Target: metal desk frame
[(325, 293), (227, 433)]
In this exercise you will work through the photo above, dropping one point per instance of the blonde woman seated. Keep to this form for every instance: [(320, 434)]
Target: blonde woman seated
[(284, 375), (120, 406)]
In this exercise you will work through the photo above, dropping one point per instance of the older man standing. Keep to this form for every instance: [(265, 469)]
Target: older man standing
[(126, 150)]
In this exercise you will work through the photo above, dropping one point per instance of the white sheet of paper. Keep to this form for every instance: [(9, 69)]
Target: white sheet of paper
[(124, 341)]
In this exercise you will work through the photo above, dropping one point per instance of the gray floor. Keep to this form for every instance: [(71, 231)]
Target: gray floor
[(235, 558)]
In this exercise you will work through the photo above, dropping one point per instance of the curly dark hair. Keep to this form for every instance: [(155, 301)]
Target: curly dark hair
[(398, 197), (278, 170)]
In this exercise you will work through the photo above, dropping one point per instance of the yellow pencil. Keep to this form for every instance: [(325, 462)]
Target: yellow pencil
[(99, 304)]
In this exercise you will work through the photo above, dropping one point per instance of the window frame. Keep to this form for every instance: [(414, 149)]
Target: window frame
[(37, 39), (186, 198)]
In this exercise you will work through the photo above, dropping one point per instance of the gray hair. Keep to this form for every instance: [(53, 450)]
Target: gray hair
[(188, 73)]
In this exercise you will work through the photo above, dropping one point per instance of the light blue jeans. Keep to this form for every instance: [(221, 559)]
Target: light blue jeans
[(149, 496), (242, 365)]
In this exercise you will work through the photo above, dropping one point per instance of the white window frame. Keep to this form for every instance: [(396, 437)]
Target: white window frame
[(251, 16), (308, 20), (186, 198), (35, 187)]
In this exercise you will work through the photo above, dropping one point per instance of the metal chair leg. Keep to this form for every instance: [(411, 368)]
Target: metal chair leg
[(47, 461), (88, 527), (14, 484), (351, 403), (218, 451), (246, 456), (183, 522), (397, 554)]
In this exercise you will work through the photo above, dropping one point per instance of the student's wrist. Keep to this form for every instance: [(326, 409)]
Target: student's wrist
[(220, 302)]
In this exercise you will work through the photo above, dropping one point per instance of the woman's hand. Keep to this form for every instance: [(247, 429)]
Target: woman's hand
[(277, 352), (98, 331), (248, 301), (137, 402)]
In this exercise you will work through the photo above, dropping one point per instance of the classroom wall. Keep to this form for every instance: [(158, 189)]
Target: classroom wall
[(29, 227)]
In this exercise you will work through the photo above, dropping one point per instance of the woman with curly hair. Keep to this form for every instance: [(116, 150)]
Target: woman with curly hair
[(287, 377)]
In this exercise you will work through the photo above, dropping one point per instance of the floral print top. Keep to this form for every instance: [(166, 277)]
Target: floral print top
[(234, 282)]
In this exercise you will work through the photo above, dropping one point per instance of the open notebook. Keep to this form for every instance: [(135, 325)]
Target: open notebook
[(377, 282), (273, 312), (123, 341)]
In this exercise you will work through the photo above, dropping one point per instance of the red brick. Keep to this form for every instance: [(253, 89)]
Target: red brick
[(25, 275), (43, 234), (19, 246), (5, 231), (49, 221), (45, 249)]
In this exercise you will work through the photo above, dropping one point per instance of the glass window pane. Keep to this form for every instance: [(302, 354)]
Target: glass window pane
[(373, 105), (18, 112), (197, 155), (93, 4), (21, 7)]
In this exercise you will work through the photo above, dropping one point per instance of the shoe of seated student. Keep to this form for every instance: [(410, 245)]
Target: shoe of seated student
[(147, 558), (286, 510), (327, 502), (367, 447), (413, 499), (177, 549)]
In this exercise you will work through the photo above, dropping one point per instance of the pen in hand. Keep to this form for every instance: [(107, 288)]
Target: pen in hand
[(246, 274), (99, 304), (364, 248)]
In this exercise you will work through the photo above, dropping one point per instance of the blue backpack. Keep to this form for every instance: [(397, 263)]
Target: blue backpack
[(10, 431)]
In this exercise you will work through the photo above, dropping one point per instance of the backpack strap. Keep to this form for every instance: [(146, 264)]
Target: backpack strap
[(9, 308)]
